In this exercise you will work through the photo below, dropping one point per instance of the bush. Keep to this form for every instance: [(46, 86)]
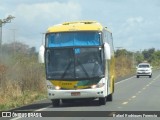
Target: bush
[(22, 79)]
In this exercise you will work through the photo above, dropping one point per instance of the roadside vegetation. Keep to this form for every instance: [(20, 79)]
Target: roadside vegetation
[(126, 61), (22, 78), (124, 64)]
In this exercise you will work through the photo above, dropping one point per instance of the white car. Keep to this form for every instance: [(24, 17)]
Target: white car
[(144, 69)]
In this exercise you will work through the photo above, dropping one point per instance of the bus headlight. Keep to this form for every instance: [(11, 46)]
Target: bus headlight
[(99, 85), (57, 87), (93, 86), (51, 87)]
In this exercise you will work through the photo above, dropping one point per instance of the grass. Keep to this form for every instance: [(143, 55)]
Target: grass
[(123, 66), (22, 82), (26, 98)]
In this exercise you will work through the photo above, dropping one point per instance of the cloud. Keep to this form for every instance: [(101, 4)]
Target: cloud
[(134, 20), (132, 25), (53, 11), (33, 19), (130, 32)]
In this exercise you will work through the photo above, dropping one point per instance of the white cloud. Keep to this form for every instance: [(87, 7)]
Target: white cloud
[(48, 11), (129, 21), (33, 19), (133, 24), (134, 20)]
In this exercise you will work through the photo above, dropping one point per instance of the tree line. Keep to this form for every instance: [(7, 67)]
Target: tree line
[(150, 55), (126, 61)]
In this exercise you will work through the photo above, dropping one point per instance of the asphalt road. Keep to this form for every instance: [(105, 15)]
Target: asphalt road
[(131, 94)]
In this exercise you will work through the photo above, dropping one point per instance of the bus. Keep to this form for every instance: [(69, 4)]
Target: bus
[(79, 62)]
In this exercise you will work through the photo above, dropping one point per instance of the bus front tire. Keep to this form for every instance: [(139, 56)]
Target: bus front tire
[(102, 101), (56, 102), (110, 97)]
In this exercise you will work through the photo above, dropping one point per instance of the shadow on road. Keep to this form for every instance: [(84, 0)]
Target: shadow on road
[(80, 103), (34, 106)]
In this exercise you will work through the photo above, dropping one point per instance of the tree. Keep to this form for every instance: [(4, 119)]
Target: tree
[(148, 53), (139, 57), (121, 52), (155, 58)]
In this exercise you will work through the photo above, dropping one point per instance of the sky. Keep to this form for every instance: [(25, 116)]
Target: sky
[(135, 24)]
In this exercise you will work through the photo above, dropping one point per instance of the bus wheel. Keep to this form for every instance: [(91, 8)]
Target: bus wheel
[(110, 97), (55, 102), (102, 101)]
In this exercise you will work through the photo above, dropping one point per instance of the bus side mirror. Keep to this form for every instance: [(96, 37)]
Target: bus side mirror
[(107, 51), (41, 54)]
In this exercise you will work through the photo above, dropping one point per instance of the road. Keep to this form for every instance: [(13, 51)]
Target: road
[(131, 94)]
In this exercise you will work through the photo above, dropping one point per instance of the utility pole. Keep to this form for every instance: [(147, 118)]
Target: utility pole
[(2, 22), (14, 40)]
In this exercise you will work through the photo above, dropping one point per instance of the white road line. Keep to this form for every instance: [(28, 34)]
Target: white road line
[(124, 80), (133, 96), (124, 103), (43, 108), (133, 77)]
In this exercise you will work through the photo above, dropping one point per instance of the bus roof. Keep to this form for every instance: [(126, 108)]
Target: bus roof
[(77, 26)]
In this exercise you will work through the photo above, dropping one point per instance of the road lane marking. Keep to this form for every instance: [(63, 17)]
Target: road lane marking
[(43, 108), (133, 96), (134, 77), (124, 80), (124, 103)]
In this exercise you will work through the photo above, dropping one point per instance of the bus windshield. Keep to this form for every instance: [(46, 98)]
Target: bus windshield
[(74, 63)]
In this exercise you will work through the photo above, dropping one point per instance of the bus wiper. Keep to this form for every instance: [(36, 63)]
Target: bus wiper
[(83, 68), (66, 69)]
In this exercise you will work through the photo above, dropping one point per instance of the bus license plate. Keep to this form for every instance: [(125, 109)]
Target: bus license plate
[(75, 93)]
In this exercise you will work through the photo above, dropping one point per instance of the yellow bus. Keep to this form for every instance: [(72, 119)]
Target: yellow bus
[(79, 62)]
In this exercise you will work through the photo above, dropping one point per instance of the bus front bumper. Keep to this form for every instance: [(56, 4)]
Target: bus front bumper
[(74, 94)]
